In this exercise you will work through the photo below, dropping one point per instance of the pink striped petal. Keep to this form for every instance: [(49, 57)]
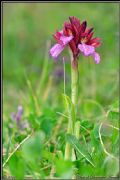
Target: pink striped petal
[(56, 50), (87, 50), (65, 39), (96, 57)]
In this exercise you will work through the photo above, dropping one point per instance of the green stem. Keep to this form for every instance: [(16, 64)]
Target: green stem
[(74, 84), (77, 129), (69, 151), (74, 96)]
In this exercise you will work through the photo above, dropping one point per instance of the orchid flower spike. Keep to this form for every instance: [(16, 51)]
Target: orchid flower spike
[(79, 38)]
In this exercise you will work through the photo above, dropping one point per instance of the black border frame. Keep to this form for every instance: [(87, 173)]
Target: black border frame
[(2, 3)]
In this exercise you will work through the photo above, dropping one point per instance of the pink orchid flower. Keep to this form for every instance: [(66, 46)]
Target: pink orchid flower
[(78, 38)]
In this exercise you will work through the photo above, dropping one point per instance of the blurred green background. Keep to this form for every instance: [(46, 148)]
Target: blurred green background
[(26, 29)]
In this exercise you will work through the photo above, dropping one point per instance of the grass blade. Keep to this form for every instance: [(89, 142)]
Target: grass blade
[(79, 148)]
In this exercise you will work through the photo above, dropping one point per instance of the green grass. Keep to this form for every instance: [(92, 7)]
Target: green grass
[(30, 80)]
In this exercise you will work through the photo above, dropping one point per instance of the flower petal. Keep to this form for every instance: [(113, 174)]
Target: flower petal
[(19, 113), (86, 49), (83, 27), (56, 50), (66, 39), (96, 57), (61, 38), (75, 21), (96, 42)]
